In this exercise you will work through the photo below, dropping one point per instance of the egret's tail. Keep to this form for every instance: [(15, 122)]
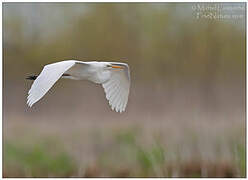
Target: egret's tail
[(31, 77)]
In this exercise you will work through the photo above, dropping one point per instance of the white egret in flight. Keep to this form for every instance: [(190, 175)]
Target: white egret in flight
[(114, 77)]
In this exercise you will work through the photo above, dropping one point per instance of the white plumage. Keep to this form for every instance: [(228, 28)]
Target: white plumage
[(114, 77)]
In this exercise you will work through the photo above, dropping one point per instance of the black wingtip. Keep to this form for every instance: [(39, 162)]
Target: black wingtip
[(31, 77)]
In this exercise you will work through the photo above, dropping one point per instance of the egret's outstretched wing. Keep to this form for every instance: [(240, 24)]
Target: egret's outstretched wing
[(117, 87), (47, 78)]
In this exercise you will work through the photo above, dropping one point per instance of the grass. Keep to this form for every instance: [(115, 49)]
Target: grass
[(36, 161), (155, 160), (239, 152), (126, 156)]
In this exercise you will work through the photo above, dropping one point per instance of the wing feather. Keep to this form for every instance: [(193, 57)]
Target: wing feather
[(114, 96), (47, 78), (110, 88), (120, 101), (123, 101), (117, 88), (117, 101)]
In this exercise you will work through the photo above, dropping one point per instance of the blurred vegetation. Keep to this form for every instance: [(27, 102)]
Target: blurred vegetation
[(36, 161), (127, 157), (156, 40), (154, 160)]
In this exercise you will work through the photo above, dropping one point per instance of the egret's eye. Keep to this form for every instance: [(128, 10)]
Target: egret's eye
[(109, 65)]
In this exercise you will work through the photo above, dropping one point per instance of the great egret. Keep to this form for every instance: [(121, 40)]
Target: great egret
[(114, 77)]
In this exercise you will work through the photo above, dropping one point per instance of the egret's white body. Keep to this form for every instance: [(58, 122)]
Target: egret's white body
[(114, 77)]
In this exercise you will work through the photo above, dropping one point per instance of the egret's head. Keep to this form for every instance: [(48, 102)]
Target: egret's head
[(114, 66)]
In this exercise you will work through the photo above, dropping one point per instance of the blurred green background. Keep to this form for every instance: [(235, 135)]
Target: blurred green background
[(186, 111)]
